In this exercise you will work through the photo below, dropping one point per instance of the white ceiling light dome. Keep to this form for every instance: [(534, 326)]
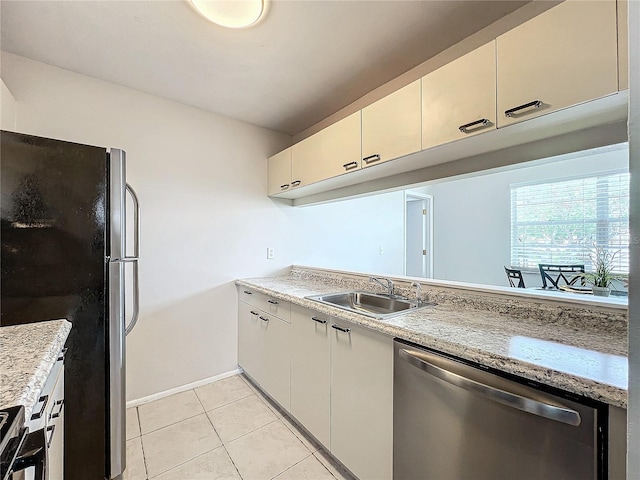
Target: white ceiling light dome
[(231, 13)]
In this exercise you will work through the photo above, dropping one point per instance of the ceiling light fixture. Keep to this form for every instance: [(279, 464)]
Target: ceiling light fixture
[(231, 13)]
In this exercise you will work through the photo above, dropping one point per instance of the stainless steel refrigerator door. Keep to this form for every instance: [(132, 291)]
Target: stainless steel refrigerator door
[(454, 421)]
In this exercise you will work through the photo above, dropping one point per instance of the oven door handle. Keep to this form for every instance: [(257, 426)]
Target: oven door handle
[(33, 454)]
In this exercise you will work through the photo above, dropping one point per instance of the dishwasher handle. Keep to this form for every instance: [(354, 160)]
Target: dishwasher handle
[(530, 405)]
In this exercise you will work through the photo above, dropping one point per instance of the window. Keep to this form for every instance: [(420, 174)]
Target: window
[(559, 222)]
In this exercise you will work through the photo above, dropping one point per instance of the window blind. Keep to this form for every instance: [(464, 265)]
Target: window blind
[(560, 222)]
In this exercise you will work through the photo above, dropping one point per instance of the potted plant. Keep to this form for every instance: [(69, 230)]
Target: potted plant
[(602, 275)]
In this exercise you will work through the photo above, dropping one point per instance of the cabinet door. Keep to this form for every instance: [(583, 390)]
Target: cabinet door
[(459, 99), (250, 346), (564, 56), (362, 400), (279, 172), (391, 126), (275, 336), (330, 152), (310, 372)]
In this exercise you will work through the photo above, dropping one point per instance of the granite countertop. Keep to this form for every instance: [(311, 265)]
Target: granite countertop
[(583, 352), (29, 352)]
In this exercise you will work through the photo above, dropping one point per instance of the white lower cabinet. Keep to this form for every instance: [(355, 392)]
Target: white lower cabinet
[(263, 350), (362, 400), (311, 372), (334, 378)]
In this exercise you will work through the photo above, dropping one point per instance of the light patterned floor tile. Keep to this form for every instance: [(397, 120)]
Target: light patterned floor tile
[(222, 392), (214, 465), (168, 410), (308, 469), (240, 417), (266, 452), (272, 406), (133, 426), (171, 446), (135, 469)]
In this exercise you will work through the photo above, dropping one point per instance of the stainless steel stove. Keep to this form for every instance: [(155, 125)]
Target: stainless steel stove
[(19, 448)]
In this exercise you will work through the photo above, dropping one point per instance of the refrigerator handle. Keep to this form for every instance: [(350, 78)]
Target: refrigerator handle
[(136, 298), (136, 221), (134, 260)]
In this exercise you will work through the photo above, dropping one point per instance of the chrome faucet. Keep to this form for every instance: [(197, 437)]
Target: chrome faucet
[(388, 286), (418, 291)]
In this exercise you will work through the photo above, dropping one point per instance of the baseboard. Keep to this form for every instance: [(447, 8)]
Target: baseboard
[(182, 388)]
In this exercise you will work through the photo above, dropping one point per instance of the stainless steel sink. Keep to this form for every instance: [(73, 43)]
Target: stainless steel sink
[(369, 304)]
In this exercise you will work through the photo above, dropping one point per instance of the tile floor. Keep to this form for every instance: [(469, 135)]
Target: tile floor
[(224, 430)]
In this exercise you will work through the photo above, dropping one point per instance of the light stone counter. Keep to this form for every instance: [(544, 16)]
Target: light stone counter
[(27, 354), (578, 349)]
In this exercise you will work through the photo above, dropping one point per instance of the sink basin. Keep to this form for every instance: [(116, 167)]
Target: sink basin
[(369, 304)]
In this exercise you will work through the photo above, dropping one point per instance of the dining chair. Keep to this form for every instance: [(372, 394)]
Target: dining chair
[(554, 274), (514, 275)]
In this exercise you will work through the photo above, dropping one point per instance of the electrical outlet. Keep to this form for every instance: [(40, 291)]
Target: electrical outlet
[(381, 250), (270, 253)]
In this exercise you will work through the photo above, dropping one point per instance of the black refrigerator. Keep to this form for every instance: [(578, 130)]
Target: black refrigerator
[(65, 255)]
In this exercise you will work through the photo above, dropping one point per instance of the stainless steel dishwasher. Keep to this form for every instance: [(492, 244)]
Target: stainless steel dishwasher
[(455, 421)]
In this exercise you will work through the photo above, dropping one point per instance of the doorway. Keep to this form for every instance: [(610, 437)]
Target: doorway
[(418, 235)]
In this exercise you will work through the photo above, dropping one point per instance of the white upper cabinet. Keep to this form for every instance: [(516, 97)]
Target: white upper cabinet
[(328, 153), (564, 56), (279, 172), (459, 99), (391, 127)]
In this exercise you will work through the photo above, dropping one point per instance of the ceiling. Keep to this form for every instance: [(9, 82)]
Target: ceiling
[(306, 60)]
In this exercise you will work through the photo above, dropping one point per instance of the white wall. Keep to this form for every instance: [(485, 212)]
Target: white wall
[(206, 217), (8, 108), (472, 217)]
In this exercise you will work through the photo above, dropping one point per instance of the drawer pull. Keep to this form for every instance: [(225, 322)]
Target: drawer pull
[(342, 329), (50, 428), (253, 313), (371, 158), (284, 187), (272, 302), (350, 165), (295, 183), (44, 400), (60, 405), (483, 122), (62, 354), (319, 320), (248, 292), (264, 319), (514, 110)]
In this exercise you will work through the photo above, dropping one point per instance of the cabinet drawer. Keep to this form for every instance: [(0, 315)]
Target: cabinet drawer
[(270, 305)]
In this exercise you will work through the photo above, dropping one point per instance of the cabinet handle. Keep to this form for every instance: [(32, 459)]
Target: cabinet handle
[(350, 165), (63, 354), (253, 313), (264, 319), (50, 428), (272, 302), (60, 404), (284, 187), (371, 158), (483, 122), (512, 111), (44, 399), (296, 183), (247, 292), (319, 320), (342, 329)]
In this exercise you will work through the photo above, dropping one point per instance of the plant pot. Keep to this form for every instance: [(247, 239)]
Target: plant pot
[(601, 291)]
